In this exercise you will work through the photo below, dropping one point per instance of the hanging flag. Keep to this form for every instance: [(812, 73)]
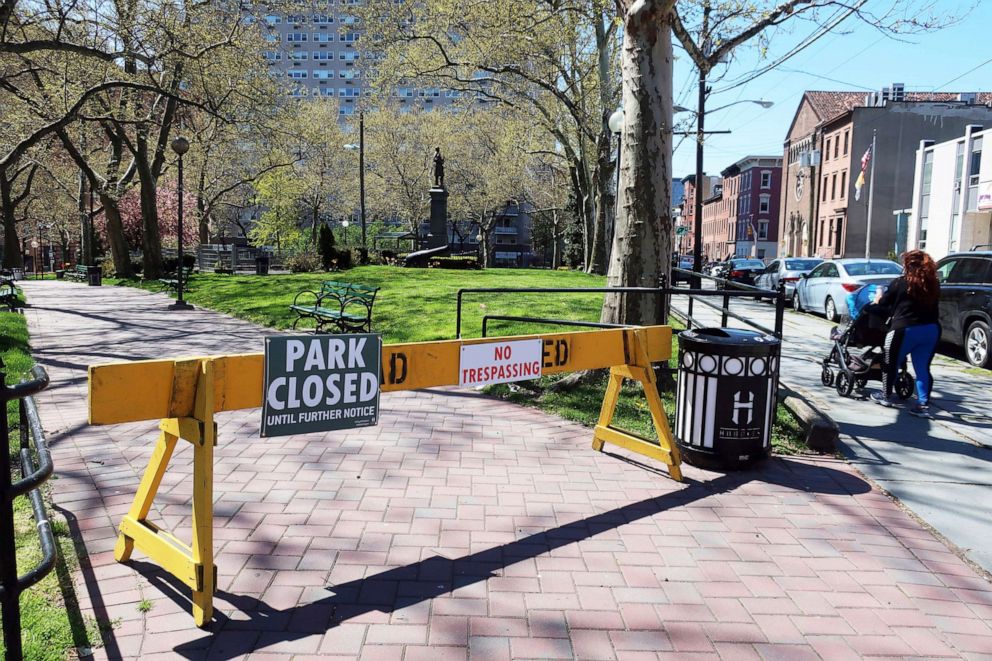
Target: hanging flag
[(860, 183)]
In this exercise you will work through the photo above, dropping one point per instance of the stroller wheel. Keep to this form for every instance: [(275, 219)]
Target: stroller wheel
[(827, 377), (904, 385), (860, 384), (845, 384)]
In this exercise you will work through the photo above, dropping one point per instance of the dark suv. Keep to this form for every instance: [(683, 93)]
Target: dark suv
[(966, 303)]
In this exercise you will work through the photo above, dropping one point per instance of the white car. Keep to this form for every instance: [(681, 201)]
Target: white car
[(825, 289)]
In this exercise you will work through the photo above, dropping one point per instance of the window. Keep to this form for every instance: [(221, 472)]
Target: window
[(297, 55), (944, 270), (762, 229), (404, 92), (322, 55), (296, 19), (296, 37), (843, 184), (925, 185), (272, 19), (273, 55), (299, 75), (831, 271), (430, 92), (836, 145), (350, 20), (847, 136), (321, 19), (346, 110), (766, 179), (826, 151), (349, 37), (350, 56), (322, 37), (824, 188), (326, 91), (764, 204), (970, 270), (350, 93), (351, 74), (322, 74), (833, 187), (272, 38)]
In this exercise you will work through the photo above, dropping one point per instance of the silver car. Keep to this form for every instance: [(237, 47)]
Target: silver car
[(825, 288), (785, 273)]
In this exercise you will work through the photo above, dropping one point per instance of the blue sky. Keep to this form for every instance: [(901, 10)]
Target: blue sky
[(858, 56)]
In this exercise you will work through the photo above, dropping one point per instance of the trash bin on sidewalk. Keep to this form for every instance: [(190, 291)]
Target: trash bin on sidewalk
[(94, 276), (262, 265), (727, 393)]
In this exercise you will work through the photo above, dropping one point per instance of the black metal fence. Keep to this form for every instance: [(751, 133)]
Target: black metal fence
[(727, 290), (35, 467)]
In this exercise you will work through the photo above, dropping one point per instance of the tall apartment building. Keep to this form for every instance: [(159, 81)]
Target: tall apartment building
[(828, 137), (318, 55)]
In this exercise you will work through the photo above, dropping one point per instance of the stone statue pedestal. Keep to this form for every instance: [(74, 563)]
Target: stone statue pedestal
[(439, 218)]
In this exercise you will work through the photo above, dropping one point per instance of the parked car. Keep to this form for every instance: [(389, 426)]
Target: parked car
[(744, 270), (785, 273), (685, 262), (825, 288), (718, 269), (966, 303)]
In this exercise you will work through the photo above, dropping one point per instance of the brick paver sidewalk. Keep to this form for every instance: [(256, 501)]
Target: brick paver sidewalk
[(462, 527)]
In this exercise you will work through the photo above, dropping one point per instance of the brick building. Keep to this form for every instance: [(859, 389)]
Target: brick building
[(688, 215), (829, 134)]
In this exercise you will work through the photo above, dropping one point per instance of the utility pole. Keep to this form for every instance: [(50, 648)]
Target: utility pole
[(361, 172), (697, 248)]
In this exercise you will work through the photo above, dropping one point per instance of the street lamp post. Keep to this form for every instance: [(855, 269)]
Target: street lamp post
[(180, 145), (361, 173), (345, 224)]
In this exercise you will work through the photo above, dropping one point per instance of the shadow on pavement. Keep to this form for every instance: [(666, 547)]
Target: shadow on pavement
[(407, 586)]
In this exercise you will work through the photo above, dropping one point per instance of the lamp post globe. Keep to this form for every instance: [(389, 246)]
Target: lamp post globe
[(180, 145), (615, 121)]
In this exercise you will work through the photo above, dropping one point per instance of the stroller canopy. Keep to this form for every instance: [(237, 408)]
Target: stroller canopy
[(856, 301)]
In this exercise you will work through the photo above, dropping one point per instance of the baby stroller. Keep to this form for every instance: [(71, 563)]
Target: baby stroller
[(865, 330)]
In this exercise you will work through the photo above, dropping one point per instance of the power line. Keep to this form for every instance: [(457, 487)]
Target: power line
[(964, 74)]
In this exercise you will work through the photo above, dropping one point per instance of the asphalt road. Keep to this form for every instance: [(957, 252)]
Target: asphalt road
[(940, 469)]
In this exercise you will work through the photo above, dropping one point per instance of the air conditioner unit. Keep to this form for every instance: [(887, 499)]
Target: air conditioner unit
[(804, 159), (968, 97)]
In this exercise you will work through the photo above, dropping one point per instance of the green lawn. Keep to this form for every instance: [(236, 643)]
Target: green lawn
[(52, 625), (419, 305), (413, 304)]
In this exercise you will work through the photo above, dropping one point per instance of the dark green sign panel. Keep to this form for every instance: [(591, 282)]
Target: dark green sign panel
[(317, 383)]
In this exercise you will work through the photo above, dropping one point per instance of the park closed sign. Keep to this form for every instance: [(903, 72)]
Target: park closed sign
[(320, 383)]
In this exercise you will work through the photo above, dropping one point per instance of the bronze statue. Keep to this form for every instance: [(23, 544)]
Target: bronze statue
[(438, 168)]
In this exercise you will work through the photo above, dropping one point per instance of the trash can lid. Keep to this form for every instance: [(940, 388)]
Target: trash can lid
[(729, 336)]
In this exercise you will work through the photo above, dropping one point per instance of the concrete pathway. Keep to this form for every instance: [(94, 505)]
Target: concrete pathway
[(467, 528), (941, 469)]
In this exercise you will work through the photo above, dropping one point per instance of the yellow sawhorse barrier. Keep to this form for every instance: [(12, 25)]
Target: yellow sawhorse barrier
[(186, 393)]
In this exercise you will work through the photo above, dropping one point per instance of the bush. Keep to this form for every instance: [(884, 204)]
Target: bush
[(107, 267), (169, 264), (325, 244), (344, 259), (303, 262), (457, 263)]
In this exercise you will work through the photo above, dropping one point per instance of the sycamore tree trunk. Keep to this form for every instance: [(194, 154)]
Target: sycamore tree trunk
[(203, 228), (643, 226), (119, 250), (604, 205), (151, 241)]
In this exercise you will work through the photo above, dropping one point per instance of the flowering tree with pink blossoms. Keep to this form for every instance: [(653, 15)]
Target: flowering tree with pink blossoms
[(167, 201)]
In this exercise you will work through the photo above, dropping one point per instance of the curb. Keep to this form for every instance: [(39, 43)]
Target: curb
[(822, 433)]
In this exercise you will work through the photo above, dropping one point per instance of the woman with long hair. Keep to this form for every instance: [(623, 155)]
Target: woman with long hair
[(914, 328)]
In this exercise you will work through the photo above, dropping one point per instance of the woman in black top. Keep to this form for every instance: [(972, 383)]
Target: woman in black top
[(914, 329)]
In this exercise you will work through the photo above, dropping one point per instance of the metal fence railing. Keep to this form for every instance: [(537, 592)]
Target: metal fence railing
[(727, 290), (35, 467)]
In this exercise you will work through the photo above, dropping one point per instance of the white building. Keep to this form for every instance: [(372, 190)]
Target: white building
[(952, 195)]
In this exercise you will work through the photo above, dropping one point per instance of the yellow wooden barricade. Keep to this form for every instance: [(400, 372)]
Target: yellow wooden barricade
[(186, 393)]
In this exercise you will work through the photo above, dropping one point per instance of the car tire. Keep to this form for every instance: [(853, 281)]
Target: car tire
[(830, 309), (976, 344), (797, 304)]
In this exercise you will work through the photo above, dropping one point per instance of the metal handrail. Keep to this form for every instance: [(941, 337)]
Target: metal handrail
[(550, 322), (32, 477)]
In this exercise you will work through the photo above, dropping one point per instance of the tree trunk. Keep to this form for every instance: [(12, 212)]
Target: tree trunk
[(151, 242), (12, 258), (201, 208), (604, 205), (642, 238), (119, 250)]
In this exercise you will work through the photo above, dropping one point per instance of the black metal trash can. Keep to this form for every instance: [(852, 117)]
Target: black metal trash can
[(262, 265), (94, 276), (727, 393)]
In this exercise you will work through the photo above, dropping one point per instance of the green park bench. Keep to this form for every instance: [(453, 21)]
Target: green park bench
[(79, 274), (8, 294), (171, 282), (345, 306)]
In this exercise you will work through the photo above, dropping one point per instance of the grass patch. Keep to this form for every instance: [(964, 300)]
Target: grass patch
[(50, 619), (413, 305)]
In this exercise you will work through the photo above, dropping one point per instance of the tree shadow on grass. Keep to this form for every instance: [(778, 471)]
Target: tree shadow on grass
[(407, 586)]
